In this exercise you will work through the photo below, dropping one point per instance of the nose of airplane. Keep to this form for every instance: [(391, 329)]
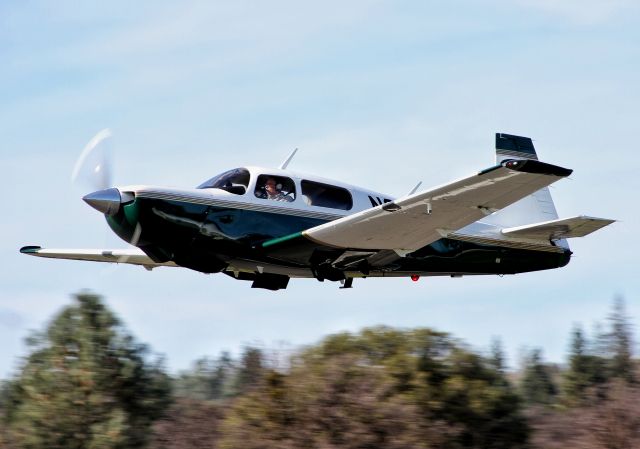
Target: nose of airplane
[(106, 201)]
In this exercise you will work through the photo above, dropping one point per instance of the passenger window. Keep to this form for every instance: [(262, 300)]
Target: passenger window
[(325, 195), (276, 188)]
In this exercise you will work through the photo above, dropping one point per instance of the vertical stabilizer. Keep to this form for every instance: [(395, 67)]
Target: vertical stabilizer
[(535, 208), (514, 147)]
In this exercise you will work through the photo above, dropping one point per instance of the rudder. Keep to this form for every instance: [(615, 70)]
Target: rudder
[(509, 146), (535, 208)]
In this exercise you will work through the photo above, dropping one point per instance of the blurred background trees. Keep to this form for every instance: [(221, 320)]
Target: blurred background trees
[(86, 383), (537, 385), (381, 388), (599, 401)]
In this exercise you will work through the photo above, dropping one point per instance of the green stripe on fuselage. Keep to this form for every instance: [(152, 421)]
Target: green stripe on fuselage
[(281, 239)]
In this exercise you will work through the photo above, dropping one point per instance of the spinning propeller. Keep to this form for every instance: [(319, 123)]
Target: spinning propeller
[(93, 170), (93, 166)]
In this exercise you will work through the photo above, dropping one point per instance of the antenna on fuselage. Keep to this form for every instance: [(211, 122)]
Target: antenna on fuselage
[(283, 166), (415, 188)]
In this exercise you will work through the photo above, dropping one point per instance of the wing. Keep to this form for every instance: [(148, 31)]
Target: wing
[(558, 229), (133, 256), (417, 220)]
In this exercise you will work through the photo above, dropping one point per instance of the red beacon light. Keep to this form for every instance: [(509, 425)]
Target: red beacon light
[(415, 277), (512, 164)]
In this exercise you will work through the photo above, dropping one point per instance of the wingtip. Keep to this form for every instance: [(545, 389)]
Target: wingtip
[(536, 167), (607, 220), (30, 249)]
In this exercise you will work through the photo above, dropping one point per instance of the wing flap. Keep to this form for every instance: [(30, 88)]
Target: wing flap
[(133, 256), (417, 220), (558, 229)]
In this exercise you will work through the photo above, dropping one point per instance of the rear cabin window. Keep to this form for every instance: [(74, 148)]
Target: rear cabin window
[(275, 188), (233, 181), (325, 195)]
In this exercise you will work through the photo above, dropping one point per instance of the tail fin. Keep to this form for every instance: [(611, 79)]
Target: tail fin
[(514, 147), (535, 208)]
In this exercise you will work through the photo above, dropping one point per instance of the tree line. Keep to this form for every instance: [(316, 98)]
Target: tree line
[(87, 383)]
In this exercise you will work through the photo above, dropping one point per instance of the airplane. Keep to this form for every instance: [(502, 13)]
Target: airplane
[(267, 225)]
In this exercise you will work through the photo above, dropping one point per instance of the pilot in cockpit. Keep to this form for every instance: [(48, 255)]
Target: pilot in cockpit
[(273, 191)]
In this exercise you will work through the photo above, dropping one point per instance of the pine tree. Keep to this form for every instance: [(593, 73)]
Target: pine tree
[(585, 369), (85, 384), (537, 384), (196, 383), (250, 370), (620, 343), (222, 379), (208, 379), (497, 357)]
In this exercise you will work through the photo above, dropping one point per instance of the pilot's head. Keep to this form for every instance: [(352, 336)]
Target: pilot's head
[(271, 186)]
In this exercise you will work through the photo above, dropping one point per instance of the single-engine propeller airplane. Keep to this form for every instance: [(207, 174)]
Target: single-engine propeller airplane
[(269, 225)]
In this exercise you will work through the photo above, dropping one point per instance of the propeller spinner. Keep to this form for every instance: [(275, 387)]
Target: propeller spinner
[(107, 201)]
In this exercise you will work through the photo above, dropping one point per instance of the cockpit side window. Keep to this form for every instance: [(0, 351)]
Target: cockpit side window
[(277, 188), (325, 195), (233, 181)]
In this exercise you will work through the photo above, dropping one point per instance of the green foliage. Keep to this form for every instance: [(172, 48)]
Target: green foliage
[(608, 358), (339, 405), (208, 380), (223, 378), (85, 384), (250, 370), (380, 388), (537, 384), (620, 343), (497, 357), (585, 370)]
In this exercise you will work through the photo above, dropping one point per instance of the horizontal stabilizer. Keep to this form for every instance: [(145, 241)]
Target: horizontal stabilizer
[(558, 229), (133, 256)]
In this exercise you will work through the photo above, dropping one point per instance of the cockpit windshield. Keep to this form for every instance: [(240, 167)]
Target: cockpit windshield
[(233, 181)]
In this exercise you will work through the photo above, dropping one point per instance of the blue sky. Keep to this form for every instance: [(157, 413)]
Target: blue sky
[(375, 93)]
